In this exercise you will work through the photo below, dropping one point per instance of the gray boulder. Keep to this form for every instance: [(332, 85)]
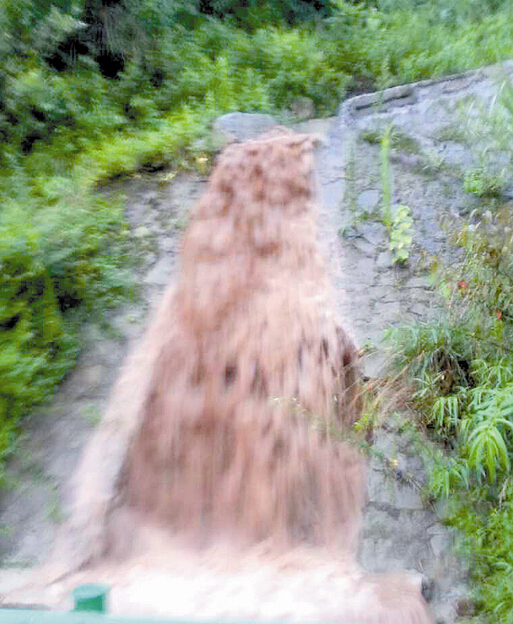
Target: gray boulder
[(235, 127)]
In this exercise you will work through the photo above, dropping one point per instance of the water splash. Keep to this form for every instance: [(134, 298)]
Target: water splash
[(230, 417)]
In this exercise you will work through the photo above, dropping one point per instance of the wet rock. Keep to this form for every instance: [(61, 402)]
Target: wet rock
[(88, 380), (241, 127), (321, 127), (150, 197), (368, 200), (150, 258), (507, 193), (419, 310), (375, 233), (373, 364), (385, 260), (391, 310), (129, 324), (466, 608), (419, 282), (440, 544), (377, 521), (428, 589), (366, 269), (408, 497), (385, 446), (387, 278), (167, 244), (363, 246), (160, 273)]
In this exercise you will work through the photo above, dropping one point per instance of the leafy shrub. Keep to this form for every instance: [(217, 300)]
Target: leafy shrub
[(482, 184), (254, 14), (57, 263), (463, 370), (405, 43), (293, 63)]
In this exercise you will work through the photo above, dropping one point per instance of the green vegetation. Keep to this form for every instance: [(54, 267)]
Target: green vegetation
[(483, 184), (401, 234), (61, 260), (398, 222), (385, 178), (461, 366)]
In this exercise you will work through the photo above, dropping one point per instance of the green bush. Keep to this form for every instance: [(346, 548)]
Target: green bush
[(293, 64), (166, 61), (410, 43), (58, 263), (254, 14)]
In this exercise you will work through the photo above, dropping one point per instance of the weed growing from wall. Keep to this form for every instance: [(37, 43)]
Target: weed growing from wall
[(398, 222)]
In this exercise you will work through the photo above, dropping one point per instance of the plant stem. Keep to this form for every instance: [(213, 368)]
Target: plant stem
[(385, 177)]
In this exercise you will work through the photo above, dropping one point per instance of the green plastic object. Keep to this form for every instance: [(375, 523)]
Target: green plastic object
[(91, 600), (91, 597)]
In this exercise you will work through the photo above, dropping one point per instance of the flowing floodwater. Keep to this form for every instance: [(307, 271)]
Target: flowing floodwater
[(250, 372), (245, 384), (276, 566)]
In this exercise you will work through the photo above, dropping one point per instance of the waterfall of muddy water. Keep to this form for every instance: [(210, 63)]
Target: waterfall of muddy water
[(243, 387), (253, 373)]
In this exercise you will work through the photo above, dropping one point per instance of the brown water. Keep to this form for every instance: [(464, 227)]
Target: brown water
[(250, 372), (250, 383), (228, 426)]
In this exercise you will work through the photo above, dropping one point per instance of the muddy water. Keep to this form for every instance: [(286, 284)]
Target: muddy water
[(257, 582), (246, 331), (371, 294)]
